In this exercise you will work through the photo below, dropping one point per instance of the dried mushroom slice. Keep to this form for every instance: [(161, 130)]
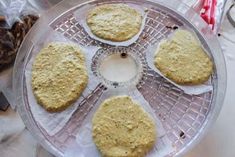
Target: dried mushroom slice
[(11, 39)]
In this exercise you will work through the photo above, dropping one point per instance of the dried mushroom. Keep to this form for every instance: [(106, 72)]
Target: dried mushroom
[(11, 39)]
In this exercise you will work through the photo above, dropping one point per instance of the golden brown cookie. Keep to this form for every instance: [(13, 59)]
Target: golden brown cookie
[(183, 60), (115, 22), (121, 128), (59, 76)]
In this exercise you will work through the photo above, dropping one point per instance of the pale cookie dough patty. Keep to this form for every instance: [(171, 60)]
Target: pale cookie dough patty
[(115, 22), (59, 76), (121, 128), (183, 60)]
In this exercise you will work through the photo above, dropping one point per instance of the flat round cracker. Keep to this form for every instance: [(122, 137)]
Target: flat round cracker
[(59, 76), (122, 128), (115, 22), (183, 60)]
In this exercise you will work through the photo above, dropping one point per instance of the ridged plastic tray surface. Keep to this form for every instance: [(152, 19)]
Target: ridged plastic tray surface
[(182, 116)]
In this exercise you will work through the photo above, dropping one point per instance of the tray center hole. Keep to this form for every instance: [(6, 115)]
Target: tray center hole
[(119, 67)]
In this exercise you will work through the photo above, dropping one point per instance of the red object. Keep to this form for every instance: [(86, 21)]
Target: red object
[(208, 13), (206, 16), (206, 4), (212, 14)]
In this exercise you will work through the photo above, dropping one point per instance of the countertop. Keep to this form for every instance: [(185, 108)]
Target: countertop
[(219, 141)]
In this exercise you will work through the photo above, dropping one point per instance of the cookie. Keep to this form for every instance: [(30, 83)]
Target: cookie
[(183, 60), (59, 76), (121, 127), (115, 22)]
